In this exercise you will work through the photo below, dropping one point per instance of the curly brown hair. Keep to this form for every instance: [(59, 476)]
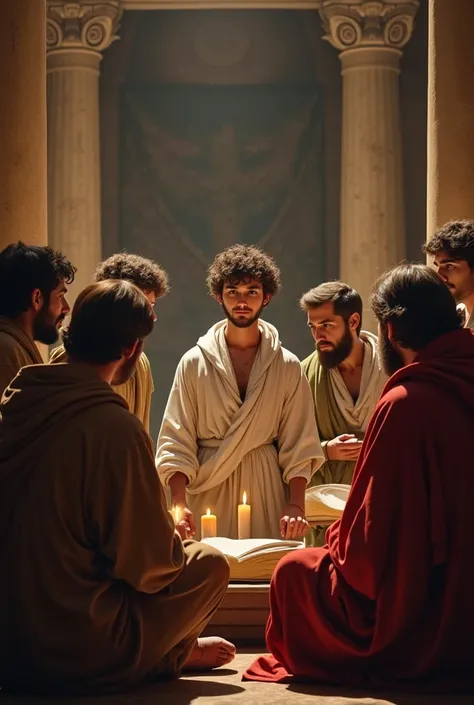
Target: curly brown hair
[(144, 273), (456, 238), (242, 263)]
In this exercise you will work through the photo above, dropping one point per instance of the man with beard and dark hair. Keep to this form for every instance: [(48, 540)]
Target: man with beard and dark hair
[(32, 304), (153, 281), (452, 249), (345, 378), (239, 417), (98, 591), (388, 602)]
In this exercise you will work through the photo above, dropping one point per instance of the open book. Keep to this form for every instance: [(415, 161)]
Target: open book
[(253, 559), (325, 503)]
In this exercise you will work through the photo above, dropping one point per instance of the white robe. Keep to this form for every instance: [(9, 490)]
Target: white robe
[(225, 446)]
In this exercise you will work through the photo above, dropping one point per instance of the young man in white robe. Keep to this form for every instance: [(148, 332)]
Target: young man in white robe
[(240, 415), (452, 249), (345, 378)]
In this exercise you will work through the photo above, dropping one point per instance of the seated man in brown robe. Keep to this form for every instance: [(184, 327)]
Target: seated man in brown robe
[(153, 281), (32, 304), (98, 591), (388, 602)]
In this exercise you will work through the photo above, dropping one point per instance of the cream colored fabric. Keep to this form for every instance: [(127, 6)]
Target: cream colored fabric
[(225, 446), (16, 351), (136, 392), (468, 320), (357, 414)]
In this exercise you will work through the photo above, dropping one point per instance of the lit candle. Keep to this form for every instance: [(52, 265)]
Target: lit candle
[(176, 514), (243, 519), (208, 525)]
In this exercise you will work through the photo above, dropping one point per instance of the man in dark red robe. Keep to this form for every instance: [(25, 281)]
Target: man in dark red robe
[(388, 602)]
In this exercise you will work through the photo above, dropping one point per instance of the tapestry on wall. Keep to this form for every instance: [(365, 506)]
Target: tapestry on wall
[(204, 167)]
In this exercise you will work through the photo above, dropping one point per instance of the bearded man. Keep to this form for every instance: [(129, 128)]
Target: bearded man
[(33, 304), (388, 601), (98, 591), (240, 416), (345, 378)]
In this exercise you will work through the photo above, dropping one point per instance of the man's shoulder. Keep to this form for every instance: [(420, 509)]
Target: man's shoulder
[(11, 350), (192, 358), (306, 363), (289, 358)]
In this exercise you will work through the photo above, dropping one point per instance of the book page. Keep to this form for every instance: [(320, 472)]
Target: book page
[(240, 548)]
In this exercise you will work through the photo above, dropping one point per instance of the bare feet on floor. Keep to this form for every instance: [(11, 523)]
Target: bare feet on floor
[(210, 652)]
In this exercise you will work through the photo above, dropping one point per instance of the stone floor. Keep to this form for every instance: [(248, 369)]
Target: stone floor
[(224, 687)]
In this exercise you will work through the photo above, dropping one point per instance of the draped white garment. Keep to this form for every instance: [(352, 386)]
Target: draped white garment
[(225, 446)]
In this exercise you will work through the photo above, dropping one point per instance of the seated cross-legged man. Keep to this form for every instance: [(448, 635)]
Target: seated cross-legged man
[(32, 304), (98, 591), (388, 602), (153, 281), (345, 379)]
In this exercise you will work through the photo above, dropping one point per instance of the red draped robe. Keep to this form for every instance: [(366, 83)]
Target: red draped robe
[(389, 600)]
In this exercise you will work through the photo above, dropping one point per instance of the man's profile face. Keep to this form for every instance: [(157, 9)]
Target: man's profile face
[(151, 296), (243, 302), (332, 335), (128, 366), (457, 274), (389, 357), (51, 315)]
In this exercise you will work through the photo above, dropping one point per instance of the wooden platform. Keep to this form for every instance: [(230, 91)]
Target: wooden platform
[(243, 614)]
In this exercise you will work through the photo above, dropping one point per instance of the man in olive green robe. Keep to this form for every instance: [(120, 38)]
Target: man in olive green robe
[(345, 379), (153, 281)]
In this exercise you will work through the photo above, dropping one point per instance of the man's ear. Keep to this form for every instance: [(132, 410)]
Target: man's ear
[(219, 298), (37, 300), (390, 332), (266, 299), (354, 321), (129, 352)]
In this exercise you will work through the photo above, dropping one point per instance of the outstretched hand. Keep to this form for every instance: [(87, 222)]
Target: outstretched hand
[(344, 447), (293, 523), (186, 527)]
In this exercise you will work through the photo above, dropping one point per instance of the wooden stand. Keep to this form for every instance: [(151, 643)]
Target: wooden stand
[(243, 614)]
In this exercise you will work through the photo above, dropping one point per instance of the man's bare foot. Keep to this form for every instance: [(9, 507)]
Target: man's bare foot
[(210, 652)]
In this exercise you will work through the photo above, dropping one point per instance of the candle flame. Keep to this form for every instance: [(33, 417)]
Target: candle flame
[(245, 498), (208, 512)]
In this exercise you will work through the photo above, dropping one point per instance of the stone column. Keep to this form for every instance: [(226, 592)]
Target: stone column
[(23, 122), (370, 36), (450, 113), (77, 34)]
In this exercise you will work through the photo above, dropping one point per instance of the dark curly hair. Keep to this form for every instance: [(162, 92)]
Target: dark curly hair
[(456, 238), (24, 268), (144, 273), (242, 263)]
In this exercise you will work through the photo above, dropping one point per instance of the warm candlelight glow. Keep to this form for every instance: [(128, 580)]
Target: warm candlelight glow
[(208, 525), (176, 514), (244, 524)]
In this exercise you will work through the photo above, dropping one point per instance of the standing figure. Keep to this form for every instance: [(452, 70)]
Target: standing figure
[(345, 378), (452, 249), (153, 281), (33, 304), (240, 416)]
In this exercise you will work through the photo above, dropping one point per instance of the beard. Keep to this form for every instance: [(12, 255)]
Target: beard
[(333, 358), (245, 322), (45, 327), (389, 358), (127, 367)]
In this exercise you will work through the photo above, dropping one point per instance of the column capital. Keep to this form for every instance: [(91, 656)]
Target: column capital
[(88, 24), (358, 24)]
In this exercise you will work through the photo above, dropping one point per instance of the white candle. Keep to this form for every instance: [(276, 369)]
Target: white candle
[(208, 525), (243, 519)]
